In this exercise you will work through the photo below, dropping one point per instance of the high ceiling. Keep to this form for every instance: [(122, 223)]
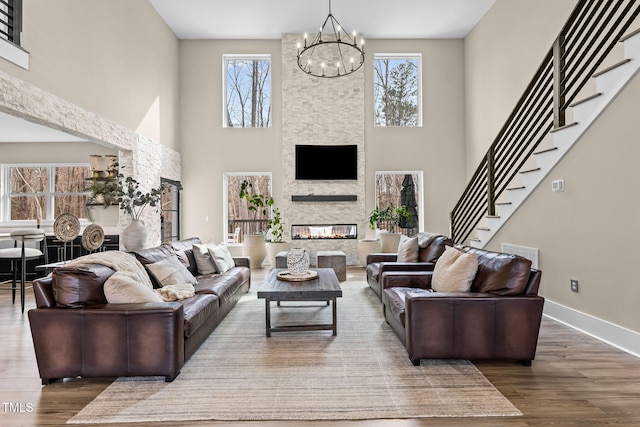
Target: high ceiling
[(269, 19)]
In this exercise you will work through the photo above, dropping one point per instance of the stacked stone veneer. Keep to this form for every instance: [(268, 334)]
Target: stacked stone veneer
[(143, 159), (321, 111)]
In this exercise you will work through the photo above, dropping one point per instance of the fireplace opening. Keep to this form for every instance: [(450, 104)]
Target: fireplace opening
[(324, 231)]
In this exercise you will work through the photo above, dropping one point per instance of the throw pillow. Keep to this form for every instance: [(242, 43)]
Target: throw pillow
[(408, 249), (222, 258), (203, 259), (121, 288), (454, 271), (170, 271)]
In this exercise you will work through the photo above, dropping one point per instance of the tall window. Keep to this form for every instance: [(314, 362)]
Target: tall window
[(11, 20), (397, 93), (397, 189), (247, 87), (170, 210), (47, 191), (238, 214)]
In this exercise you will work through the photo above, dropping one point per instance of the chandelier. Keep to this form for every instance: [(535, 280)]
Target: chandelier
[(333, 52)]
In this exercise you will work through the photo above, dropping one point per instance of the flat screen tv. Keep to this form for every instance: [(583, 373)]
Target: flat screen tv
[(326, 162)]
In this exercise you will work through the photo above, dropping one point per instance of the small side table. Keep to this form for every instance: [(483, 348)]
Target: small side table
[(281, 259), (336, 260)]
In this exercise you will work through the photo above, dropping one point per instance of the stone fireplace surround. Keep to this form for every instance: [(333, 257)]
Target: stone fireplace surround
[(321, 111)]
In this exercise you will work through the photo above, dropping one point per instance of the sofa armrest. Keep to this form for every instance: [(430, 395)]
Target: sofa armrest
[(406, 279), (381, 257), (109, 340), (242, 261)]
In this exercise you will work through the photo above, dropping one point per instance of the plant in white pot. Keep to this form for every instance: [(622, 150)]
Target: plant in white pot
[(274, 237), (253, 245), (390, 218), (133, 201), (102, 203)]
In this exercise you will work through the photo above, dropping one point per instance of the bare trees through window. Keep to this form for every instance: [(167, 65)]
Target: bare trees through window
[(397, 90), (247, 91)]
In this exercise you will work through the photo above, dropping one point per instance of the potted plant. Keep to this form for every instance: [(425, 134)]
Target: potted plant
[(102, 203), (274, 237), (133, 202), (390, 217), (253, 244)]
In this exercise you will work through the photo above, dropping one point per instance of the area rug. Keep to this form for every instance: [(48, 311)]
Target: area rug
[(362, 373)]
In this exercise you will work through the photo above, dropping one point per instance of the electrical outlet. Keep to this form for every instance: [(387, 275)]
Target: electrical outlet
[(574, 285)]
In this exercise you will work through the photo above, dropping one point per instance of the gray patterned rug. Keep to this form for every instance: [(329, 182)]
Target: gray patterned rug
[(362, 373)]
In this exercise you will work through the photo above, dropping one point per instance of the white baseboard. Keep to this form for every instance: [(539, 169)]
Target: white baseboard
[(617, 336)]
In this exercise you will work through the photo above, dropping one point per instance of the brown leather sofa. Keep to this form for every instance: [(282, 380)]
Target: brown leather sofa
[(498, 319), (76, 332), (428, 254)]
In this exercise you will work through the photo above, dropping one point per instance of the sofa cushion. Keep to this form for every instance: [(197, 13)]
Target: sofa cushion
[(170, 271), (434, 248), (454, 271), (221, 258), (203, 259), (223, 285), (500, 273), (408, 249), (197, 311), (80, 286)]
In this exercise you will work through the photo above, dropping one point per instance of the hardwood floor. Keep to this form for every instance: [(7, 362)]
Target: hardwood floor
[(575, 381)]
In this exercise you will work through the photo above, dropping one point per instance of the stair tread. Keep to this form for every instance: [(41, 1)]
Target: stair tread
[(504, 203), (612, 67), (631, 34), (563, 127), (588, 98), (546, 150), (530, 170), (492, 216), (483, 228), (516, 188), (474, 239)]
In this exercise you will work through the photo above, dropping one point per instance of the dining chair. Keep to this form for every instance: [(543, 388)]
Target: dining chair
[(20, 254)]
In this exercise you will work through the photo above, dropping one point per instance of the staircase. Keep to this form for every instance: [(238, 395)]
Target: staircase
[(591, 61)]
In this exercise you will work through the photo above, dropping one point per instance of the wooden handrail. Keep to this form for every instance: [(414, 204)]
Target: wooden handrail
[(591, 32)]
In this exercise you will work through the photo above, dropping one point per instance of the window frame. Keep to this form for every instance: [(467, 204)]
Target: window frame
[(396, 56), (258, 56), (175, 209), (49, 195), (419, 192), (225, 197)]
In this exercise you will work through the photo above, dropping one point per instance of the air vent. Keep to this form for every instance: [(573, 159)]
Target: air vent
[(524, 251)]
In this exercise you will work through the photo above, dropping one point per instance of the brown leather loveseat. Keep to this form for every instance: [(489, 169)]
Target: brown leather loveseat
[(76, 332), (499, 318), (430, 247)]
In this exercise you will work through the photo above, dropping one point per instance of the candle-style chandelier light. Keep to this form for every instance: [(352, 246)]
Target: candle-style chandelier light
[(333, 52)]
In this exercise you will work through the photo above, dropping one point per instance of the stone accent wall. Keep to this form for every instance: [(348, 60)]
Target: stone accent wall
[(146, 160), (321, 111)]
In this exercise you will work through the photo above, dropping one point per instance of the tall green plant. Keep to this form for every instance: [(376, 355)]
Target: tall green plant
[(255, 202), (276, 226), (391, 216)]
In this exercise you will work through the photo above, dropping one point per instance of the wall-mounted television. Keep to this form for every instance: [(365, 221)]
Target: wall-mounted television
[(330, 162)]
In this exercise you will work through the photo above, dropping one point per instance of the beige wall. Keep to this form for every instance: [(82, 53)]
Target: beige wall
[(502, 53), (208, 150), (436, 148), (115, 58), (587, 232)]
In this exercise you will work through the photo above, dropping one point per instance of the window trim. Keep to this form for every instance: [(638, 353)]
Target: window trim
[(178, 185), (225, 196), (420, 190), (418, 56), (247, 56), (5, 186)]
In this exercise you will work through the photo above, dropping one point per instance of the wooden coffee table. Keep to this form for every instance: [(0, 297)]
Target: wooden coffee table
[(323, 288)]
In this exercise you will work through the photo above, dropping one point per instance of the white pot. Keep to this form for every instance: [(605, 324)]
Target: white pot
[(389, 242), (254, 247), (105, 216), (366, 247), (134, 235), (273, 248)]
